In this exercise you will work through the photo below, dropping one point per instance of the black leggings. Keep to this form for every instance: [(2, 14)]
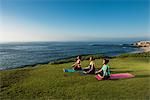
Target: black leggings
[(101, 74), (77, 68), (91, 72)]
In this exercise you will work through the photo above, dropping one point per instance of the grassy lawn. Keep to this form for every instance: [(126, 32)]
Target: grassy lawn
[(48, 81)]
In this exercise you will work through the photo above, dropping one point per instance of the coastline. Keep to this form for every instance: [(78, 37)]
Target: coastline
[(144, 53), (99, 54), (145, 49), (31, 54), (143, 45), (59, 61)]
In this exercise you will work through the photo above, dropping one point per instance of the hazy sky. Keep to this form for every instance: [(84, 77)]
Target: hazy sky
[(58, 20)]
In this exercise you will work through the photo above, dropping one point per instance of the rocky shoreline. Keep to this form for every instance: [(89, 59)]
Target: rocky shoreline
[(145, 49), (144, 45)]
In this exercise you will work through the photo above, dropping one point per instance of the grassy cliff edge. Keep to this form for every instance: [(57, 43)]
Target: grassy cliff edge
[(48, 81)]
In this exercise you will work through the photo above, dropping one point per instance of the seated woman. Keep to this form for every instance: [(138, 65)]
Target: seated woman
[(104, 72), (77, 64), (91, 68)]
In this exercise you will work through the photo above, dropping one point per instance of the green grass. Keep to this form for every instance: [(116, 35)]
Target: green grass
[(48, 81)]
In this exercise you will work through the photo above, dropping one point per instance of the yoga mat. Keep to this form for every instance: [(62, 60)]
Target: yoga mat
[(117, 76), (121, 75), (71, 70)]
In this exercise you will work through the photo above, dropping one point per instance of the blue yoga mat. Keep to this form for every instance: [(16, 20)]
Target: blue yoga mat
[(71, 70)]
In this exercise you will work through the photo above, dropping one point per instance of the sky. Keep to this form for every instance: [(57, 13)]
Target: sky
[(76, 20)]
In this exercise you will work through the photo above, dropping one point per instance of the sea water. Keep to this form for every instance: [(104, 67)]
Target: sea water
[(13, 55)]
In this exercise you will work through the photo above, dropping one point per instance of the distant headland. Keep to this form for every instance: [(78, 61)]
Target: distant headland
[(145, 45)]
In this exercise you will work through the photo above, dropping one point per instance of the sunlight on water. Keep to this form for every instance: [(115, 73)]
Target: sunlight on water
[(21, 54)]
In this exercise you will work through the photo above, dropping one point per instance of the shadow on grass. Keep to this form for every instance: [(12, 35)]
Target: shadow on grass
[(125, 71), (141, 76), (136, 76)]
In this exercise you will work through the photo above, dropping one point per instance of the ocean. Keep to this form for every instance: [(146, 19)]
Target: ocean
[(13, 55)]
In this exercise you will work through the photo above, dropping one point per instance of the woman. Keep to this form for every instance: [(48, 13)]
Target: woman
[(104, 72), (91, 68), (77, 64)]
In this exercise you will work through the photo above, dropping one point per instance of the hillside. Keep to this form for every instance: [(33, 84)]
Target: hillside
[(48, 81)]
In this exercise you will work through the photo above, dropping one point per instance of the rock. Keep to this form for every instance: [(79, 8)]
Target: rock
[(142, 44)]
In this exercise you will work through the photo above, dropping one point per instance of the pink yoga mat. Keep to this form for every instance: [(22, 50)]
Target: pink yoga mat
[(117, 76)]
